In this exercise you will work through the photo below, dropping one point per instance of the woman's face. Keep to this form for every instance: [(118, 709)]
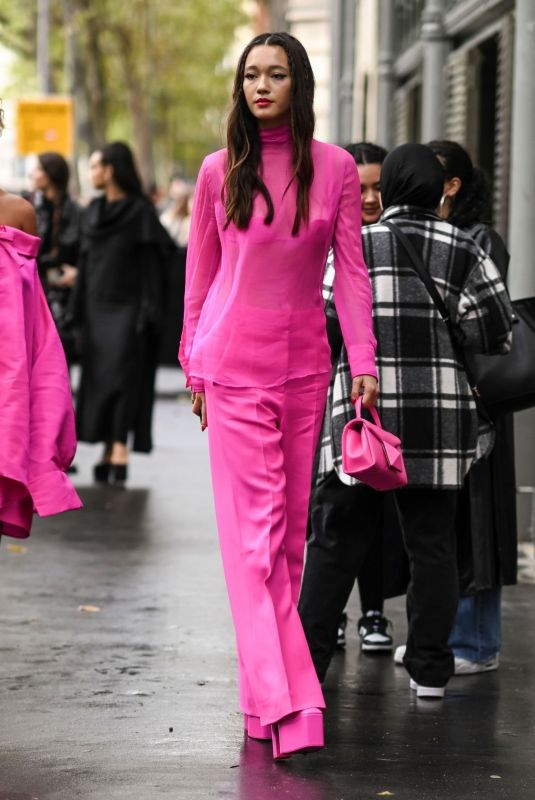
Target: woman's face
[(370, 192), (39, 179), (267, 85), (97, 174)]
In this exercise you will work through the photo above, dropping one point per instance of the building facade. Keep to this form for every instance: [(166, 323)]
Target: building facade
[(395, 71), (465, 70)]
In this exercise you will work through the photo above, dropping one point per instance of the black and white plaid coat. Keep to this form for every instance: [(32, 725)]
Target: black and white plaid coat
[(425, 398)]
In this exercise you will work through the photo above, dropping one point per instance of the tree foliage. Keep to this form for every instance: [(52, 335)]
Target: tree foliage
[(148, 71)]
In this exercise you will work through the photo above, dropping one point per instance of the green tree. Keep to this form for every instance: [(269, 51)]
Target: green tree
[(148, 71)]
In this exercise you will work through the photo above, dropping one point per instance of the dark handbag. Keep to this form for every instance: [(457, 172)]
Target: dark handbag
[(500, 383), (507, 383)]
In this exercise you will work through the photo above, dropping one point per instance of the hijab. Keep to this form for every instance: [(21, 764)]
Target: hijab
[(412, 175)]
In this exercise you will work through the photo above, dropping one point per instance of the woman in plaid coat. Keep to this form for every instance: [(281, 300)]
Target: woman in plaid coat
[(425, 399), (487, 533)]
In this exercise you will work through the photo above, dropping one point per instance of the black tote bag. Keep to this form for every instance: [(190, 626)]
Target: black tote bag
[(500, 383), (507, 382)]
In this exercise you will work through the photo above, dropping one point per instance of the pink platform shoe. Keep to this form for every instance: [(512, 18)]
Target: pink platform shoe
[(301, 732), (254, 729)]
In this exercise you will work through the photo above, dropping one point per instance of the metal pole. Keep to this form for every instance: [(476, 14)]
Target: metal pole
[(435, 48), (348, 71), (343, 62), (521, 227), (336, 67), (385, 75), (278, 10), (43, 33), (70, 68)]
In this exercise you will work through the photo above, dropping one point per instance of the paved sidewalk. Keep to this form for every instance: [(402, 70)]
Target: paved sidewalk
[(137, 700)]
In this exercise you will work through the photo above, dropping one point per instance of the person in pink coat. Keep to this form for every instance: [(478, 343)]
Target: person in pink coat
[(255, 353), (37, 431)]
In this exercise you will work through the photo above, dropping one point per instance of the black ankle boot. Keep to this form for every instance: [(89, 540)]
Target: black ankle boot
[(101, 472), (118, 473)]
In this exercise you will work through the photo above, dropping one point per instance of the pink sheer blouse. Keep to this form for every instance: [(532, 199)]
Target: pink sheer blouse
[(253, 311)]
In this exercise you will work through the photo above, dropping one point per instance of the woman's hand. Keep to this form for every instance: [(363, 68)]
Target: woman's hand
[(365, 385), (198, 401), (68, 277)]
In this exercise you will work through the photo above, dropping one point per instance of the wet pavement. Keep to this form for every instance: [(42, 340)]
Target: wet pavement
[(135, 696)]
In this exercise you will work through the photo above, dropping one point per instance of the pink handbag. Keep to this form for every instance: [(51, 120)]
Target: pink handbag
[(372, 454)]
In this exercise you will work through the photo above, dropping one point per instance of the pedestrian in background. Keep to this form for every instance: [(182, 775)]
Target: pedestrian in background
[(335, 501), (119, 303), (176, 219), (36, 413), (425, 400), (59, 228), (487, 532), (255, 353)]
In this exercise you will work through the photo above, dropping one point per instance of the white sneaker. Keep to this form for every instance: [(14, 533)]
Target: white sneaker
[(399, 653), (375, 632), (465, 667), (428, 692)]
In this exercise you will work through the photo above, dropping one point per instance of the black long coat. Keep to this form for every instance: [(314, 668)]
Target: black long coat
[(486, 514), (119, 304), (487, 525), (60, 244)]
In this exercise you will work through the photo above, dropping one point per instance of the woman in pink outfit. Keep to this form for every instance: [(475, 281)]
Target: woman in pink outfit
[(36, 415), (255, 353)]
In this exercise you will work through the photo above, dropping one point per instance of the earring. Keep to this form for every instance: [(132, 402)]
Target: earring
[(443, 201)]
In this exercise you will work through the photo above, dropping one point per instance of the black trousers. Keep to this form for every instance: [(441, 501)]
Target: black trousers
[(370, 578), (344, 524)]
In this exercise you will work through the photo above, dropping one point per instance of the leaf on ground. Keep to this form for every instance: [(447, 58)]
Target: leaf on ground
[(89, 609), (16, 548), (496, 777), (385, 794)]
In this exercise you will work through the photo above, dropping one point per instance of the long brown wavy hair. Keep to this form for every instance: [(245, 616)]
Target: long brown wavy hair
[(242, 179)]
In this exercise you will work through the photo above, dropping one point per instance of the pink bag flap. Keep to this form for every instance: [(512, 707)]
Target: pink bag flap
[(393, 457)]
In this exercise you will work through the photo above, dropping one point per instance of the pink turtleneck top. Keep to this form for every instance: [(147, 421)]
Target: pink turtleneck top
[(253, 311)]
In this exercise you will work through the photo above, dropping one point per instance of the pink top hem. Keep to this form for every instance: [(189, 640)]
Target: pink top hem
[(253, 305)]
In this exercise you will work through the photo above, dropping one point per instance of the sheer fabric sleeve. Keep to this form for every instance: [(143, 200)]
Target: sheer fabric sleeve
[(334, 334), (352, 288), (202, 263)]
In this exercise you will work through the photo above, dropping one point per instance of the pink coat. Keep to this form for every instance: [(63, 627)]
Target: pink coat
[(37, 432)]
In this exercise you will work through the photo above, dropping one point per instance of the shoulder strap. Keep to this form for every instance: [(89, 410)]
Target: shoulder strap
[(419, 267)]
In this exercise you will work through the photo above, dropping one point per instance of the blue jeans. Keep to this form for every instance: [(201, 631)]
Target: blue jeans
[(476, 632)]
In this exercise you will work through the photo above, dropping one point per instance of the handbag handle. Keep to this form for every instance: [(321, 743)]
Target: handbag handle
[(373, 411)]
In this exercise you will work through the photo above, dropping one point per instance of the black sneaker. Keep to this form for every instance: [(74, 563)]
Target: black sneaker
[(341, 635), (375, 633)]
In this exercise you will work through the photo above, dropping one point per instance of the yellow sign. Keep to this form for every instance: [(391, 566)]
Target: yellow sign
[(45, 123)]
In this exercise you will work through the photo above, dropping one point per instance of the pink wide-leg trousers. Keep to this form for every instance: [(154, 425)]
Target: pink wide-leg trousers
[(262, 444)]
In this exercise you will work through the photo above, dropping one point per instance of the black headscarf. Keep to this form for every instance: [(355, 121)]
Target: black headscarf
[(412, 175)]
